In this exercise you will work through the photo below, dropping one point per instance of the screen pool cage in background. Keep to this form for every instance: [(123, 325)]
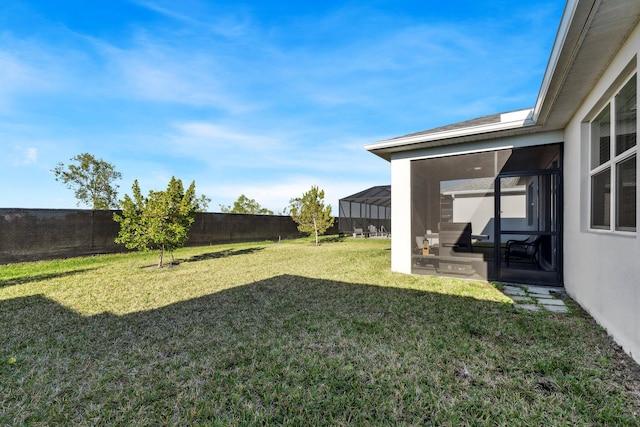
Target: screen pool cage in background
[(371, 207)]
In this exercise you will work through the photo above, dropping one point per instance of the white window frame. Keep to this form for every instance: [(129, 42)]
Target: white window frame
[(612, 164)]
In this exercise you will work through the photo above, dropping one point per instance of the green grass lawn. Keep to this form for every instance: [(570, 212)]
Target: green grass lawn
[(288, 333)]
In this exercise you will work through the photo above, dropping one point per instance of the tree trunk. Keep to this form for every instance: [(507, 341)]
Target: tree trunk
[(315, 227), (161, 256)]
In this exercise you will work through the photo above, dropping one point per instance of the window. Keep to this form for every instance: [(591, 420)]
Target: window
[(614, 162)]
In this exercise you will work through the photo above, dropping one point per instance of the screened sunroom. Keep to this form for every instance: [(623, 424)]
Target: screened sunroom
[(492, 215), (367, 213)]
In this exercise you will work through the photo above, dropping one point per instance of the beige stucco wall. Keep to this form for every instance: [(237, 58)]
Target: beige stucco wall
[(601, 269)]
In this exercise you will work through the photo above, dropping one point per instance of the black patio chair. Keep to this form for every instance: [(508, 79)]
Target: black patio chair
[(521, 249)]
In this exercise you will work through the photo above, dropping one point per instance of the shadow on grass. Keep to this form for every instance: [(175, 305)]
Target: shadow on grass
[(294, 350), (221, 254), (332, 239), (41, 277)]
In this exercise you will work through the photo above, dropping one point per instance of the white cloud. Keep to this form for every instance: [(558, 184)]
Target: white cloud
[(276, 195), (25, 156), (203, 134), (165, 11), (153, 65), (202, 16), (22, 74), (298, 149), (154, 71)]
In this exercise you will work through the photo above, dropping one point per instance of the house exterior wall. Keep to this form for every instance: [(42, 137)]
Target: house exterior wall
[(401, 216), (602, 269), (479, 211)]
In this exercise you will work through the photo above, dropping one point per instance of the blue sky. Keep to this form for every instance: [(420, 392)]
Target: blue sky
[(262, 98)]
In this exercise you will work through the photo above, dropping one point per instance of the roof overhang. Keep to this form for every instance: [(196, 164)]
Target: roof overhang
[(506, 124), (591, 33)]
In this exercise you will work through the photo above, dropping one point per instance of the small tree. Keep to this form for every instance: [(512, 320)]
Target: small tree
[(310, 212), (245, 205), (91, 179), (203, 203), (159, 221)]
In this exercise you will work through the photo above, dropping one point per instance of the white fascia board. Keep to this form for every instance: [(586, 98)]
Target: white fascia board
[(558, 45), (508, 121)]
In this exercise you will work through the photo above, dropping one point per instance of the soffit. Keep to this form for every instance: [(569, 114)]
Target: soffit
[(597, 32)]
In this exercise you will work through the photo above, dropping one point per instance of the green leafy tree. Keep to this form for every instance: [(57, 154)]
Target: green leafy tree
[(309, 211), (92, 180), (159, 221), (203, 203), (245, 205)]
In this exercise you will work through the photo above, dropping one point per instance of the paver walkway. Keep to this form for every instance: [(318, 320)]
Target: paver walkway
[(534, 298)]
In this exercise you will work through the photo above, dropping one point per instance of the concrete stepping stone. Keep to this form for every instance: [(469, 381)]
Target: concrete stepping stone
[(535, 298), (528, 307), (513, 290), (556, 302), (557, 308), (522, 299)]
